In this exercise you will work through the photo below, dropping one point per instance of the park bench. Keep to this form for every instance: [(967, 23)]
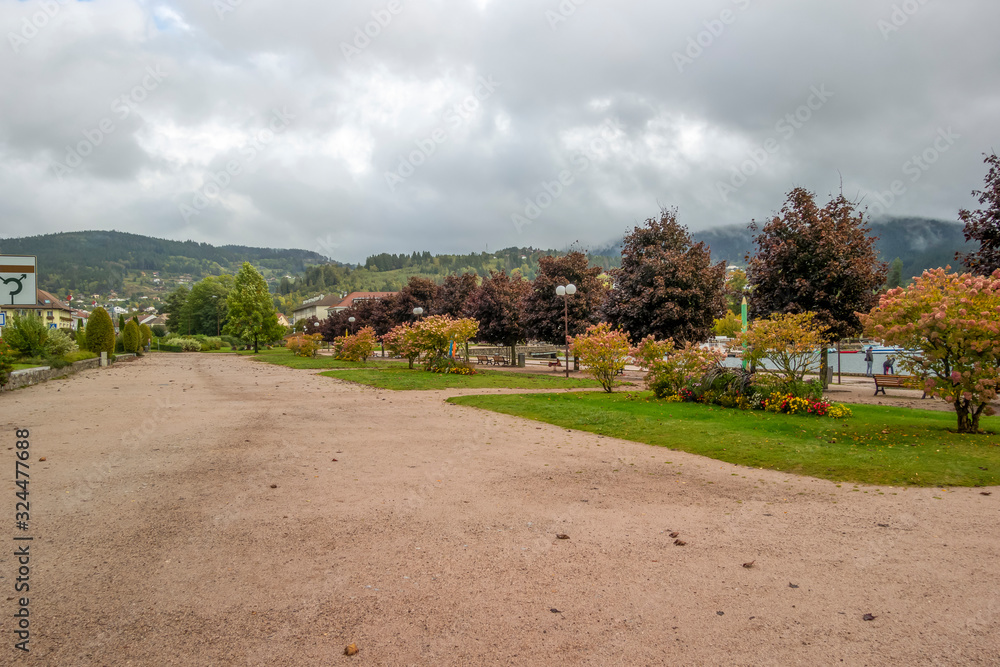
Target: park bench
[(899, 381), (483, 360), (499, 360)]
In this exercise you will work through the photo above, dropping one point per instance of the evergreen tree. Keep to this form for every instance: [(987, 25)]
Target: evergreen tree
[(100, 332), (895, 277), (130, 337)]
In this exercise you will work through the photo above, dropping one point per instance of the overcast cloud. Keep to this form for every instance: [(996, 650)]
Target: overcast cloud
[(457, 125)]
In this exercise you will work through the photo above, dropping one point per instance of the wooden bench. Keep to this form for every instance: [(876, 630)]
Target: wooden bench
[(499, 360), (483, 360), (896, 381)]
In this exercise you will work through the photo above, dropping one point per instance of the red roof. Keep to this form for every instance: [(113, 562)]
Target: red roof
[(361, 296)]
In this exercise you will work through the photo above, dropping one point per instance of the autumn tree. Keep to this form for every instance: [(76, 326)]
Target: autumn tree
[(252, 316), (983, 226), (818, 260), (496, 304), (418, 292), (453, 295), (790, 342), (543, 308), (603, 351), (948, 326), (667, 286)]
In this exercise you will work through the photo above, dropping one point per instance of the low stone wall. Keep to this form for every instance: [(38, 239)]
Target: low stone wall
[(31, 376)]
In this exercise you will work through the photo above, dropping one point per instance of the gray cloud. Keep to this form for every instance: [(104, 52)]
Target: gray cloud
[(600, 115)]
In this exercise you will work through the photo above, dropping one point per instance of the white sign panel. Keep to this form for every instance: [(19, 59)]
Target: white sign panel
[(3, 319), (17, 280)]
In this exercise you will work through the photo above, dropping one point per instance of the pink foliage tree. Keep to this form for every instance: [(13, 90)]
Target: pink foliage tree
[(949, 325), (603, 351)]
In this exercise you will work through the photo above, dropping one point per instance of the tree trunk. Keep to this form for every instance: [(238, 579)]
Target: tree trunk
[(824, 366), (513, 354), (968, 419), (255, 348)]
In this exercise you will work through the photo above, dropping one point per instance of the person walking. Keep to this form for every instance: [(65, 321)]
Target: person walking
[(892, 364), (869, 358)]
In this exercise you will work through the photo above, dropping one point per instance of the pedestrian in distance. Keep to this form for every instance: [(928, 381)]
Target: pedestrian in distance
[(869, 358)]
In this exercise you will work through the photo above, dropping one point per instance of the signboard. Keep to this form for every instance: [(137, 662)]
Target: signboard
[(17, 280), (3, 319)]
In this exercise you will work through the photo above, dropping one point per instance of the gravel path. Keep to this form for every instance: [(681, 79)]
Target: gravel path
[(190, 512)]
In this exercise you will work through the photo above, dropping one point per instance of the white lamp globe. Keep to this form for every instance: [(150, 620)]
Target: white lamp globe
[(560, 291), (571, 289), (418, 311)]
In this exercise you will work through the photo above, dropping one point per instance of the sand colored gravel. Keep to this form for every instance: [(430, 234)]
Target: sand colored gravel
[(190, 512)]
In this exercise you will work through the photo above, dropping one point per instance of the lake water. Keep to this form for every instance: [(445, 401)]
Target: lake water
[(850, 362)]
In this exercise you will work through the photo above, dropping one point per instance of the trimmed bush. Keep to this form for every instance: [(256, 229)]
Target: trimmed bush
[(100, 332), (130, 337), (145, 335), (6, 362)]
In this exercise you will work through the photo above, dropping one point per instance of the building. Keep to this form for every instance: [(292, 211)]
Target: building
[(323, 306), (55, 313), (315, 307), (355, 297), (283, 321)]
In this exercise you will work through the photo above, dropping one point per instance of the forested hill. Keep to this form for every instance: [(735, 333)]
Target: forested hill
[(101, 261), (920, 243)]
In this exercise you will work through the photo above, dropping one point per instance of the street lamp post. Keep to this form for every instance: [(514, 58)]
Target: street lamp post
[(566, 291), (417, 312), (351, 320)]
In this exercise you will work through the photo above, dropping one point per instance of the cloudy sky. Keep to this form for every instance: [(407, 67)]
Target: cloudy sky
[(351, 128)]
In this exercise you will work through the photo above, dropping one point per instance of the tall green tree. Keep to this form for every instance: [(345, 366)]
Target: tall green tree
[(895, 277), (497, 306), (100, 332), (667, 286), (983, 225), (252, 316), (820, 260), (174, 305), (544, 310), (206, 306)]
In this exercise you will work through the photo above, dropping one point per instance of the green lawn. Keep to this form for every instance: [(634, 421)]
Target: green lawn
[(879, 445), (402, 378), (21, 367), (283, 357)]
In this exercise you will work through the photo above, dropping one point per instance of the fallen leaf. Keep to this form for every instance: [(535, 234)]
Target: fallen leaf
[(749, 565), (555, 611), (680, 543), (986, 493), (352, 649), (561, 536), (793, 585), (334, 460), (42, 458), (274, 486), (882, 525), (674, 534), (868, 617), (720, 613)]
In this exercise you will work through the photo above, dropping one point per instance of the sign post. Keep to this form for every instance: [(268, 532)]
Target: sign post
[(17, 280)]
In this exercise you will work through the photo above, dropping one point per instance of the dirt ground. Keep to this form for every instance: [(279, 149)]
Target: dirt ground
[(190, 512)]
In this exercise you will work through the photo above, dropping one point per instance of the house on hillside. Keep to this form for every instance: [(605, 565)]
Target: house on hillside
[(55, 313), (283, 321)]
